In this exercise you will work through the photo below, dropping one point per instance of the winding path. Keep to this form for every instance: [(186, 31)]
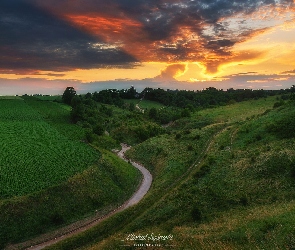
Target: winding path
[(81, 226), (145, 184)]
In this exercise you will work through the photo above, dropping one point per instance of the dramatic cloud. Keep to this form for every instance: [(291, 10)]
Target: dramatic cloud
[(32, 39)]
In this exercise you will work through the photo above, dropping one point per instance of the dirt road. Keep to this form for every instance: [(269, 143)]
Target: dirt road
[(81, 226), (145, 184)]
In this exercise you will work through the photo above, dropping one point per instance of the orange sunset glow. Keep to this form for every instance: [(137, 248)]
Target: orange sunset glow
[(47, 45)]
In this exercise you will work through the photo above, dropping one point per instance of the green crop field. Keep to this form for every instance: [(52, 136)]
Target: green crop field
[(57, 115), (34, 155)]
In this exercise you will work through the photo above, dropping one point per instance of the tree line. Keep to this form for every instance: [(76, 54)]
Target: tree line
[(209, 97), (91, 112)]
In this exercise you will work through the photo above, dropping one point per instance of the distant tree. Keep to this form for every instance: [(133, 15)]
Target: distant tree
[(88, 96), (68, 94), (130, 93)]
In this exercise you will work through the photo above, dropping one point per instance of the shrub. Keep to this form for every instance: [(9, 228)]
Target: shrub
[(177, 136), (278, 104), (205, 169), (98, 129), (197, 137), (283, 127), (89, 135), (244, 201), (196, 214)]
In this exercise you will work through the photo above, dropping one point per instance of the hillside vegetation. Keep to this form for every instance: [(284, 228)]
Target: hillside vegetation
[(49, 176), (224, 178)]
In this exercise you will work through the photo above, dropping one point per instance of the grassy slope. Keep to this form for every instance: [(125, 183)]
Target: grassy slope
[(242, 198), (102, 185)]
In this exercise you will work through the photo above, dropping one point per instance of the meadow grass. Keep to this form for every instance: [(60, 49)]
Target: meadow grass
[(237, 112)]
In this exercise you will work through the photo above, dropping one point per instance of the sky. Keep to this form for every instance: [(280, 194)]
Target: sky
[(46, 46)]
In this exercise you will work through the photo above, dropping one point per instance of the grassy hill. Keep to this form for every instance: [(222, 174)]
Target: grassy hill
[(223, 179), (49, 176)]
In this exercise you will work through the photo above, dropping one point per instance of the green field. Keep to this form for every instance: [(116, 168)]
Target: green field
[(57, 115), (34, 155), (238, 195)]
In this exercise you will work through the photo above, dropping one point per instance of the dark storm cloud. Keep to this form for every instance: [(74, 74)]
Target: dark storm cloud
[(163, 22), (161, 17), (220, 45), (33, 39)]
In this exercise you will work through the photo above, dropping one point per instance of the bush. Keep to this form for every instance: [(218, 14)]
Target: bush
[(196, 214), (177, 136), (244, 201), (283, 127), (98, 129), (197, 137), (205, 169), (89, 135), (278, 104)]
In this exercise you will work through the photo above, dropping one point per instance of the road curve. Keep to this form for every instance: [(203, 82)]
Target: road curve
[(145, 184), (78, 227)]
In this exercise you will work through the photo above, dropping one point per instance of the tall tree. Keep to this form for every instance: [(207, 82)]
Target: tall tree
[(68, 94)]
